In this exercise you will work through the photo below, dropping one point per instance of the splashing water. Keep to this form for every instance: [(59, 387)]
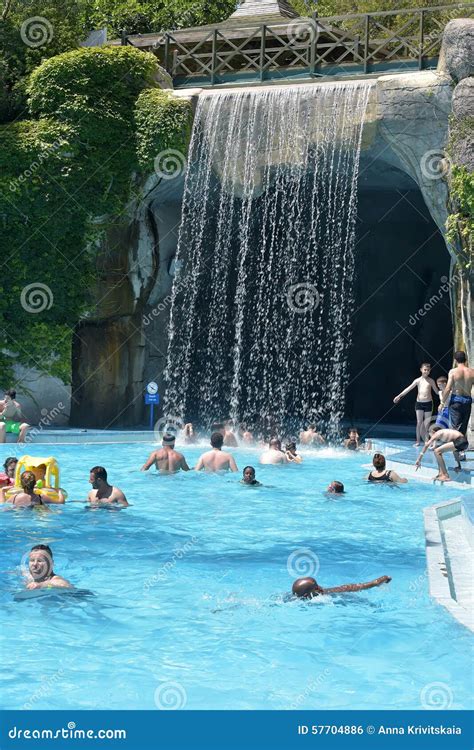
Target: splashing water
[(262, 297)]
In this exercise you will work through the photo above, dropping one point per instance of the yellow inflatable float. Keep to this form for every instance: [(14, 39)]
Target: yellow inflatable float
[(46, 471)]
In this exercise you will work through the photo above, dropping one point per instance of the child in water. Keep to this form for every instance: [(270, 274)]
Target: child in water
[(248, 477)]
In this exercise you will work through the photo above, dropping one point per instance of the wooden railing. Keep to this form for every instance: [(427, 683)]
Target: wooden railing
[(370, 42)]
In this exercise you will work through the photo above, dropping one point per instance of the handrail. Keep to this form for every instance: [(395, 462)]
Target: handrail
[(395, 12)]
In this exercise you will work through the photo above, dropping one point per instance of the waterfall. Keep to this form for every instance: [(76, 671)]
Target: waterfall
[(260, 325)]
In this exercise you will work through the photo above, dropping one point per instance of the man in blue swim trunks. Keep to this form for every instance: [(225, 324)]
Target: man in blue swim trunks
[(459, 387)]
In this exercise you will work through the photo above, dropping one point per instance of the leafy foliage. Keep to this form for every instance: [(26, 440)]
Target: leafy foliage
[(163, 123)]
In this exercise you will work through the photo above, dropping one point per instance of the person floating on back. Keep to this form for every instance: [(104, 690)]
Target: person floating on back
[(308, 588), (167, 460), (248, 477), (42, 575), (103, 493), (424, 401), (216, 459), (274, 453), (452, 440), (459, 392), (380, 474)]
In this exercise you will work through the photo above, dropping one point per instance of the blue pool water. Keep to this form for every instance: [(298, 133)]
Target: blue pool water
[(189, 585)]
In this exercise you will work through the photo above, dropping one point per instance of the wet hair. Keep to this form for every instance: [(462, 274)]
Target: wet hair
[(42, 548), (168, 438), (434, 428), (99, 473), (425, 364), (460, 357), (28, 481), (248, 467), (353, 429), (338, 487), (217, 440), (444, 378), (379, 461), (11, 392), (304, 588), (275, 443), (8, 461), (291, 445), (311, 427)]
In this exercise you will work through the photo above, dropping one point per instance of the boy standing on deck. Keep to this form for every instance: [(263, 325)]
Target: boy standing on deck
[(424, 401)]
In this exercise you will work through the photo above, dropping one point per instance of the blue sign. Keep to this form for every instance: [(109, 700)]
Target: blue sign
[(152, 398)]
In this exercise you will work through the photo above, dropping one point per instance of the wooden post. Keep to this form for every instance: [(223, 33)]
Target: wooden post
[(263, 32), (366, 43), (312, 51), (214, 57), (422, 39)]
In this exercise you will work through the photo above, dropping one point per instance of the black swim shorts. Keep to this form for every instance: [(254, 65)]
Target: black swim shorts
[(424, 406), (461, 443)]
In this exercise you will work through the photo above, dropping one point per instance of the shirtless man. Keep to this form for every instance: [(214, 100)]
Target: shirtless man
[(424, 401), (166, 460), (103, 493), (308, 588), (11, 419), (216, 459), (310, 436), (452, 440), (40, 565), (459, 388), (274, 454)]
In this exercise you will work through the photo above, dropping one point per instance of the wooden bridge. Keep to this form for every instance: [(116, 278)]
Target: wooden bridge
[(267, 41)]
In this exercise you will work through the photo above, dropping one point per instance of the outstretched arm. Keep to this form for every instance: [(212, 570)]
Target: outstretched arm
[(150, 462), (425, 448), (407, 390), (358, 586), (433, 385)]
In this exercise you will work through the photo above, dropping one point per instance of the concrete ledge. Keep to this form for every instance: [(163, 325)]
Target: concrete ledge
[(449, 567), (76, 436)]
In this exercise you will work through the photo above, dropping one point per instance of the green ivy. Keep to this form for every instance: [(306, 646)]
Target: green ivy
[(62, 176)]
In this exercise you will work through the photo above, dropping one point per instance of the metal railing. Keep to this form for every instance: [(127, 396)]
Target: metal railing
[(355, 43)]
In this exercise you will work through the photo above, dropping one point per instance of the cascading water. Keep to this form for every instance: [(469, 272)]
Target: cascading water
[(262, 296)]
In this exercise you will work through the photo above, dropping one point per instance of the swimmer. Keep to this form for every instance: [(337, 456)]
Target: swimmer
[(353, 441), (40, 565), (310, 436), (167, 460), (291, 454), (27, 498), (336, 488), (452, 440), (248, 477), (274, 454), (103, 493), (308, 588), (424, 401), (379, 473), (229, 436), (189, 433), (11, 418), (215, 459), (7, 478)]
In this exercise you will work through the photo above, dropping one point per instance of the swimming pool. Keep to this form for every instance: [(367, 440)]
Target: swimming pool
[(189, 587)]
